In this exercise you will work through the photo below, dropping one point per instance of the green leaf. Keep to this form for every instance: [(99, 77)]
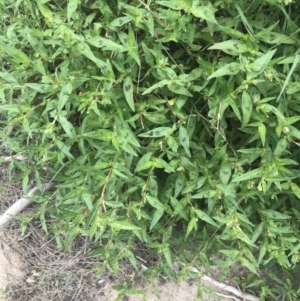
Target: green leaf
[(160, 163), (106, 44), (42, 88), (187, 164), (242, 236), (281, 147), (176, 5), (64, 149), (67, 126), (204, 12), (245, 262), (259, 65), (252, 174), (25, 182), (172, 143), (26, 126), (39, 66), (167, 254), (272, 37), (225, 172), (293, 88), (128, 135), (253, 151), (87, 198), (192, 225), (160, 84), (236, 34), (288, 77), (275, 214), (158, 132), (148, 56), (232, 47), (124, 225), (85, 49), (258, 231), (119, 22), (18, 55), (203, 216), (145, 158), (234, 107), (179, 184), (128, 91), (244, 19), (126, 147), (154, 202), (155, 117), (295, 189), (184, 140), (143, 166), (247, 106), (133, 47), (195, 74), (269, 108), (156, 217), (205, 194), (262, 252), (228, 69), (262, 132), (64, 95), (45, 11), (132, 260), (120, 174), (105, 135), (71, 8), (179, 89)]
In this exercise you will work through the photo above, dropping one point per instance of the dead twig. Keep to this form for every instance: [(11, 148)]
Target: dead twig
[(20, 205), (17, 157), (225, 287)]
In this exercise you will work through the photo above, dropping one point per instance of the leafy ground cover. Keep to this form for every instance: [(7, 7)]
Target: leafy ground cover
[(167, 124)]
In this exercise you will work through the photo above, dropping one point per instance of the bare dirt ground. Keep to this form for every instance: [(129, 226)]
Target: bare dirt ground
[(33, 268)]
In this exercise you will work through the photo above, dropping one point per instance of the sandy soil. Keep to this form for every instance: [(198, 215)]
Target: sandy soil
[(12, 267)]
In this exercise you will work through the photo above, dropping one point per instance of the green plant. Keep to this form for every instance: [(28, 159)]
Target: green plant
[(2, 293), (172, 124)]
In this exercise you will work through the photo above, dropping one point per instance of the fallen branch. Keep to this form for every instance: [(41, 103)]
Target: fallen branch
[(230, 289), (17, 157), (20, 205), (225, 287), (228, 297)]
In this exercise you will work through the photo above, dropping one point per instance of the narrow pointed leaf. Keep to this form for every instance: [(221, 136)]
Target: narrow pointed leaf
[(167, 254), (204, 12), (104, 135), (128, 91), (155, 202), (229, 69), (124, 225), (156, 217), (184, 140), (255, 173), (203, 216), (262, 132), (247, 106), (71, 8)]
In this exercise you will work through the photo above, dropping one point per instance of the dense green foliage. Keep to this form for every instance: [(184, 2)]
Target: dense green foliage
[(171, 125)]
